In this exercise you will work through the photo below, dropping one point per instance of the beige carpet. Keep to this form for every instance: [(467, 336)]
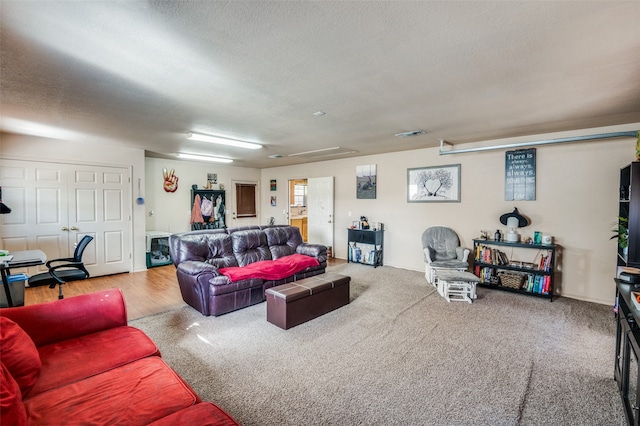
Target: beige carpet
[(400, 354)]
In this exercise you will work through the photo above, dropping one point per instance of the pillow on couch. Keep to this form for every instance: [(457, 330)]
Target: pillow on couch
[(12, 411), (19, 354)]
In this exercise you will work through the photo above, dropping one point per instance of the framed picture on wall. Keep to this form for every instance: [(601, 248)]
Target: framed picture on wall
[(437, 184), (366, 181), (520, 175)]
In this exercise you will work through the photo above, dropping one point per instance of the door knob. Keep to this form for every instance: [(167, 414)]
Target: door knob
[(64, 228), (73, 228)]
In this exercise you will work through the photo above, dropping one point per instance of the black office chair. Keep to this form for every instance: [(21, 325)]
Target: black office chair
[(71, 270)]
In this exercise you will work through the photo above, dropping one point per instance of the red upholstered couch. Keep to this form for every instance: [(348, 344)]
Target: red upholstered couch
[(76, 361)]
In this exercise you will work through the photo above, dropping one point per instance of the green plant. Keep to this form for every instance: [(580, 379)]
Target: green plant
[(621, 232)]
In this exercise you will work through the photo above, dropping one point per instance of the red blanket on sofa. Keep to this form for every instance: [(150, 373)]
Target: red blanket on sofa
[(271, 269)]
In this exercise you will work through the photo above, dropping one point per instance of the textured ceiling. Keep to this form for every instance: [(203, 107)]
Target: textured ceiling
[(142, 74)]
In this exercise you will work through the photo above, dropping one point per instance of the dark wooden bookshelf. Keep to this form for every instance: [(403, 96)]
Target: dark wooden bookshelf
[(480, 264), (629, 208)]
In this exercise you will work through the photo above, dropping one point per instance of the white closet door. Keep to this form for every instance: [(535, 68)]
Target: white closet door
[(99, 205), (55, 205), (37, 196)]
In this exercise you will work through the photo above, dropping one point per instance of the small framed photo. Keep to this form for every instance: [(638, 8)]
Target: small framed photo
[(355, 224)]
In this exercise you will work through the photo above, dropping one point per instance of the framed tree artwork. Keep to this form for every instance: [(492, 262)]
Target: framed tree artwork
[(437, 184)]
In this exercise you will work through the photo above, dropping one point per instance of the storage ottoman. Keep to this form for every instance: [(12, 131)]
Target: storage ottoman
[(294, 303)]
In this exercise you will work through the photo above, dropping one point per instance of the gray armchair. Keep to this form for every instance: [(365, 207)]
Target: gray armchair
[(442, 250)]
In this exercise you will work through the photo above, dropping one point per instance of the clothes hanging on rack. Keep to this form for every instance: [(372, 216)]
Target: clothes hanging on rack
[(219, 211), (196, 215), (206, 207)]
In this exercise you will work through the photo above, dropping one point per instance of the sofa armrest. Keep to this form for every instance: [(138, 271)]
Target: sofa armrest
[(194, 267), (313, 250), (195, 279), (72, 317)]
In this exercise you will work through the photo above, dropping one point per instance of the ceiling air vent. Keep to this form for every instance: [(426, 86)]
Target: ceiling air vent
[(276, 156), (411, 133)]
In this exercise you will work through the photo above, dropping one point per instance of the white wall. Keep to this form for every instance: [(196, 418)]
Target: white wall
[(576, 202), (576, 198), (31, 148), (172, 211)]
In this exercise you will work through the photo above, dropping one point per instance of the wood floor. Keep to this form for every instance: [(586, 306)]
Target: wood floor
[(145, 293), (148, 292)]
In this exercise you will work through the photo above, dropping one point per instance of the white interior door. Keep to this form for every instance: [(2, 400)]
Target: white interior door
[(320, 210), (99, 206), (37, 196), (231, 206), (55, 205)]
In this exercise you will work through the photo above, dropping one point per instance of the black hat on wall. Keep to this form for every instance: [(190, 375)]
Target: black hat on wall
[(522, 221)]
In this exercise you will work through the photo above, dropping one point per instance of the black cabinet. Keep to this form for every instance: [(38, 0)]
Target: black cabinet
[(211, 205), (365, 246), (629, 216), (498, 270), (627, 352)]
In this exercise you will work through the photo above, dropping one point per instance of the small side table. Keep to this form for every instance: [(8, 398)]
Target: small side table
[(457, 286), (19, 259)]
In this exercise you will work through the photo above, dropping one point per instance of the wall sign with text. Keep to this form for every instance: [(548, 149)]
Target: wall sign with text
[(520, 175)]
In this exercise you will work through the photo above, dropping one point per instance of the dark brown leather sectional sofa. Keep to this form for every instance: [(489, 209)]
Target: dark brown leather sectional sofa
[(199, 255)]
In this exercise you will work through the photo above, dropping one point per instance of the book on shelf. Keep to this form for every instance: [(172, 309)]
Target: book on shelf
[(539, 284), (491, 255)]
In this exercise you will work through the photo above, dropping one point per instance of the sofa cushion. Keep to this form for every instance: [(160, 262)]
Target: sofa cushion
[(220, 251), (213, 247), (19, 354), (250, 246), (203, 414), (134, 394), (76, 359), (12, 410), (283, 241)]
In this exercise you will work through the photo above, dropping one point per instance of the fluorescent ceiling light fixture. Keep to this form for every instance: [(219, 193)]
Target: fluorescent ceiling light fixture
[(200, 157), (314, 151), (223, 141), (326, 152)]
